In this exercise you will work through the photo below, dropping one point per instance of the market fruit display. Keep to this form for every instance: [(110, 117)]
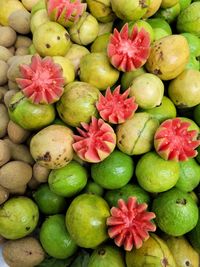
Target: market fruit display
[(100, 133)]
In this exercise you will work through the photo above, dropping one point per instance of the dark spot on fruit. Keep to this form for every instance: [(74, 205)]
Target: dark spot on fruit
[(67, 36), (187, 263), (66, 159), (101, 252), (58, 37), (157, 71), (143, 4), (161, 55), (33, 217), (120, 141), (47, 45), (123, 136), (164, 262), (28, 228), (182, 201)]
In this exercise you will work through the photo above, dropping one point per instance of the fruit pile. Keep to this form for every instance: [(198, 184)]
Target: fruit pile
[(99, 128)]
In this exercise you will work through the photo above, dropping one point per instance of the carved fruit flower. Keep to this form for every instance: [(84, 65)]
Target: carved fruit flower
[(42, 81), (130, 223), (126, 51), (96, 141), (174, 141), (115, 107)]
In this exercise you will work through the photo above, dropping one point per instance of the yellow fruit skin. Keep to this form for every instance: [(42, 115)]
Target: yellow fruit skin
[(182, 251), (153, 253), (152, 8), (168, 57), (7, 7)]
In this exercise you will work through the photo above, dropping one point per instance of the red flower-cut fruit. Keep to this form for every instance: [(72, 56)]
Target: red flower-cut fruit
[(115, 107), (126, 51), (130, 223), (95, 142), (42, 81), (65, 12), (173, 140)]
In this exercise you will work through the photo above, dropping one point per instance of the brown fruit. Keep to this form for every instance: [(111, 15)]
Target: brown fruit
[(3, 72), (16, 133), (4, 120), (20, 21), (4, 194), (15, 174), (5, 153), (24, 252), (8, 36), (40, 173)]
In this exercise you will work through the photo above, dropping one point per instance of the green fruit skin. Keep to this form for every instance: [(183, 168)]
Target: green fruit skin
[(194, 236), (193, 63), (100, 44), (129, 10), (160, 173), (176, 212), (112, 196), (77, 104), (93, 188), (105, 256), (153, 253), (189, 19), (193, 42), (169, 14), (46, 41), (18, 217), (160, 23), (189, 175), (39, 5), (110, 167), (55, 238), (47, 201), (96, 69), (184, 4), (30, 116), (163, 112), (127, 77), (68, 180), (86, 220)]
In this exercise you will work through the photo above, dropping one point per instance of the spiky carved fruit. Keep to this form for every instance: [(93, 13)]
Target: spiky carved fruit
[(174, 141), (115, 107), (42, 81), (96, 142), (130, 223), (126, 51), (65, 12)]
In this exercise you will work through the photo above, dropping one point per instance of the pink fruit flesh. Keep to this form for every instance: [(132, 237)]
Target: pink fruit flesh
[(130, 223), (115, 107), (173, 140), (95, 142), (42, 81), (65, 11), (128, 51)]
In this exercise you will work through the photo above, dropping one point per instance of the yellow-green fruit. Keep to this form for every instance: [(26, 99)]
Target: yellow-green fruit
[(105, 28), (184, 91), (153, 253), (7, 7), (166, 59), (38, 18), (101, 10), (51, 39), (100, 44), (168, 3), (135, 136), (183, 252), (96, 69), (67, 68), (152, 8)]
